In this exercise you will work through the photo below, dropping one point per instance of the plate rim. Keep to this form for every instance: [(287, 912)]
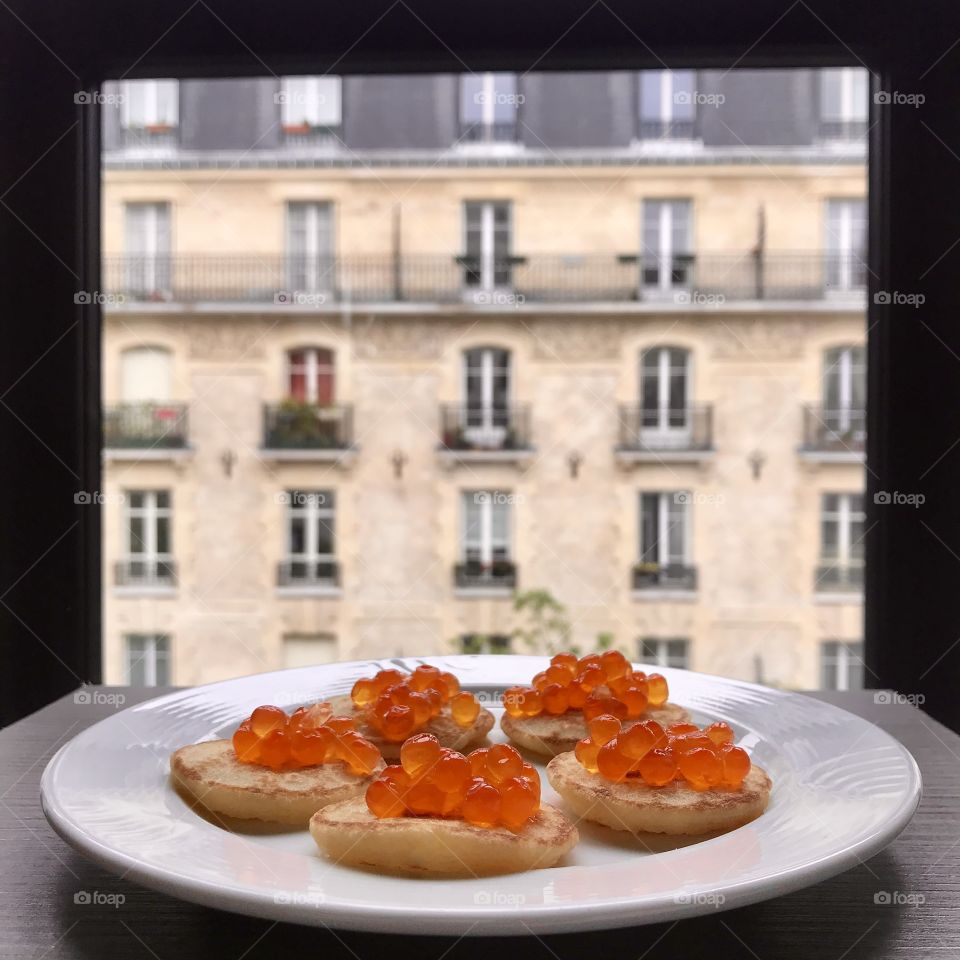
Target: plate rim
[(494, 920)]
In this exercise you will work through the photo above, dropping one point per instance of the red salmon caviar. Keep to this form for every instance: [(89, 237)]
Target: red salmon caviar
[(308, 737), (703, 759), (397, 705), (492, 786), (595, 684)]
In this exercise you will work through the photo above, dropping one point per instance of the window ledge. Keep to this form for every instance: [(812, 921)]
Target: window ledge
[(153, 454), (137, 591), (660, 595), (839, 598), (627, 457), (320, 592), (450, 458), (342, 457), (831, 456), (473, 593)]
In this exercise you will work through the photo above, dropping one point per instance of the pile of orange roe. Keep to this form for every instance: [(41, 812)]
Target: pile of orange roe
[(704, 759), (397, 705), (597, 684), (308, 737), (490, 787)]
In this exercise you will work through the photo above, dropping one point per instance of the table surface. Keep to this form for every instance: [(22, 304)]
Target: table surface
[(837, 920)]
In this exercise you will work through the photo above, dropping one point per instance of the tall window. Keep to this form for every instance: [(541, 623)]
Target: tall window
[(310, 557), (149, 107), (841, 665), (147, 535), (841, 542), (844, 391), (487, 243), (843, 103), (146, 659), (846, 244), (486, 527), (664, 542), (489, 107), (145, 374), (666, 245), (308, 104), (664, 396), (310, 375), (486, 390), (147, 250), (665, 652), (310, 265), (667, 100)]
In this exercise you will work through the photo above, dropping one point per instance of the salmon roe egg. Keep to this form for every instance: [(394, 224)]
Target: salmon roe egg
[(464, 709), (308, 737), (492, 786)]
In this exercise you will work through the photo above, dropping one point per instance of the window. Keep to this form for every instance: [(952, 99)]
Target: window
[(664, 548), (145, 374), (485, 643), (841, 665), (846, 245), (841, 542), (486, 388), (310, 375), (147, 659), (488, 108), (310, 265), (665, 653), (147, 250), (844, 392), (843, 104), (664, 397), (307, 649), (310, 103), (668, 107), (485, 540), (487, 241), (666, 245), (147, 534), (149, 107), (310, 562)]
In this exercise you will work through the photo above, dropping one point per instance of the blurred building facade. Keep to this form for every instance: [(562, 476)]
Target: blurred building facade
[(381, 351)]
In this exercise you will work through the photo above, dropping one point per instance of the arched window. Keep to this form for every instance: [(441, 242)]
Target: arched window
[(310, 375), (146, 373), (665, 391)]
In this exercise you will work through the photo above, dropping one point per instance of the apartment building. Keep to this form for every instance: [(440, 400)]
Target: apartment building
[(380, 352)]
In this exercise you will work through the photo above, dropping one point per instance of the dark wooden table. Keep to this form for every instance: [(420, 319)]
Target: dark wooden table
[(837, 920)]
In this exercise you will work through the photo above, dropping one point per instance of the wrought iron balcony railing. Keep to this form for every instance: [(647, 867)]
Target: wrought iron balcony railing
[(838, 578), (834, 431), (667, 129), (475, 575), (664, 576), (145, 426), (656, 430), (145, 572), (475, 429), (688, 280), (293, 425), (308, 574), (849, 130)]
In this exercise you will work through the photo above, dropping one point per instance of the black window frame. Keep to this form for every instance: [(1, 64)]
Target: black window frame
[(50, 427)]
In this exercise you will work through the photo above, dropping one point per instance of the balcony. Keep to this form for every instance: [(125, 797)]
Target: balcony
[(308, 578), (668, 130), (701, 281), (306, 136), (834, 436), (484, 435), (306, 431), (145, 575), (150, 137), (145, 431), (843, 582), (649, 434), (847, 131), (663, 581), (495, 579)]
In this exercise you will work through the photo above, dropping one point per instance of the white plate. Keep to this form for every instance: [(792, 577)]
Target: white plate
[(842, 790)]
